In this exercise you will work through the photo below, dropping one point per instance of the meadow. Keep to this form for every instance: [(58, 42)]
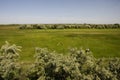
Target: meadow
[(102, 42)]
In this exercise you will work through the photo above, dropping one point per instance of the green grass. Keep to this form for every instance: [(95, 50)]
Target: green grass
[(102, 42)]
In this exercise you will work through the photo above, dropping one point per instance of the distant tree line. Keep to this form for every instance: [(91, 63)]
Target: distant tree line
[(1, 25), (69, 26)]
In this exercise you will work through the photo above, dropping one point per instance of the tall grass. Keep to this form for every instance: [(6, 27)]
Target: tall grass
[(103, 42)]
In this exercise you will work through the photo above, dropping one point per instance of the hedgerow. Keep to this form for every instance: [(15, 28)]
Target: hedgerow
[(78, 64), (69, 26)]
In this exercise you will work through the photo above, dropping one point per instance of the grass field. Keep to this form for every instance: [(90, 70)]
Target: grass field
[(102, 42)]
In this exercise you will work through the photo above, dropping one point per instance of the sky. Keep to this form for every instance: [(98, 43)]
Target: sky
[(59, 11)]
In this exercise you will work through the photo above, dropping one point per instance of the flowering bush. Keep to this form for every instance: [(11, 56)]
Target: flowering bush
[(52, 66), (79, 64), (9, 69)]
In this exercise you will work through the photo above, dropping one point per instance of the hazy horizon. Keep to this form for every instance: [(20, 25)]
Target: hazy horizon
[(59, 11)]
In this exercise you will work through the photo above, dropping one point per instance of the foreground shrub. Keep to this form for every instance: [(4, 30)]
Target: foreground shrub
[(50, 66), (9, 70), (78, 65), (92, 68)]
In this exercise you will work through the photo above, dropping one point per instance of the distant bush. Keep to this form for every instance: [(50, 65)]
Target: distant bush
[(22, 27)]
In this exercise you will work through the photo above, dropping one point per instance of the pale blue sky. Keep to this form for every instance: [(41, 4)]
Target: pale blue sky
[(59, 11)]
